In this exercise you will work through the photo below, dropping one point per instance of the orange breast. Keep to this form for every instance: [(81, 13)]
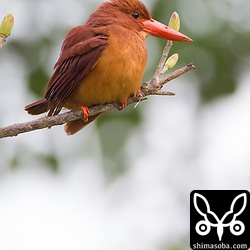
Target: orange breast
[(117, 74)]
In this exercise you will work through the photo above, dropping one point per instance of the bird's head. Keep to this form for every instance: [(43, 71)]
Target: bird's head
[(133, 14)]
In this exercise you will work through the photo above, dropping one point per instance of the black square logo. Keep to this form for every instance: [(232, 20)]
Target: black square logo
[(219, 219)]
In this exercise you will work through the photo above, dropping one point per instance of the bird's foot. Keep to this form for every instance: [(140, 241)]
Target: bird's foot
[(85, 112), (123, 105)]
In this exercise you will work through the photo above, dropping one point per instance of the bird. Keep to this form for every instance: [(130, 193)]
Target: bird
[(102, 61)]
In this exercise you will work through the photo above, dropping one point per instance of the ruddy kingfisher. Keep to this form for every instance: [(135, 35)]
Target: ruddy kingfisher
[(102, 61)]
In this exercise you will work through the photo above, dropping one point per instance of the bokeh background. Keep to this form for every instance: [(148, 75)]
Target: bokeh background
[(124, 181)]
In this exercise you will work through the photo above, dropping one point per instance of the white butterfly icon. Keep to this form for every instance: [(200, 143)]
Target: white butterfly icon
[(203, 227)]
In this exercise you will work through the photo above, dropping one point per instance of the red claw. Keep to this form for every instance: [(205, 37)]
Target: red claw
[(85, 112), (123, 105)]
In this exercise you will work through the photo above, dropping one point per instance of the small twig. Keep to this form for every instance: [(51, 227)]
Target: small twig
[(176, 74), (47, 122), (164, 57), (160, 66), (2, 40), (162, 92)]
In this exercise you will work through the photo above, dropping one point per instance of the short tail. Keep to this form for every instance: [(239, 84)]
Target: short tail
[(38, 107), (73, 127)]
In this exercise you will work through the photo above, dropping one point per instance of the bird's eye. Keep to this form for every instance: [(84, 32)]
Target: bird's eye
[(135, 15)]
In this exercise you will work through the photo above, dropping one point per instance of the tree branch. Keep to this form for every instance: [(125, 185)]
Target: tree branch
[(152, 87)]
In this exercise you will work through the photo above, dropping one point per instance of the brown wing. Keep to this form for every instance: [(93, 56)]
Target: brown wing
[(80, 53)]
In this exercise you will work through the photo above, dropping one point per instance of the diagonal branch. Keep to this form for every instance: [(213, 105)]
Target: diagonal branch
[(152, 87)]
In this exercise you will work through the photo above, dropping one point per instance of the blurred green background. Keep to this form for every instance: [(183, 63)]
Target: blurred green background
[(124, 181)]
